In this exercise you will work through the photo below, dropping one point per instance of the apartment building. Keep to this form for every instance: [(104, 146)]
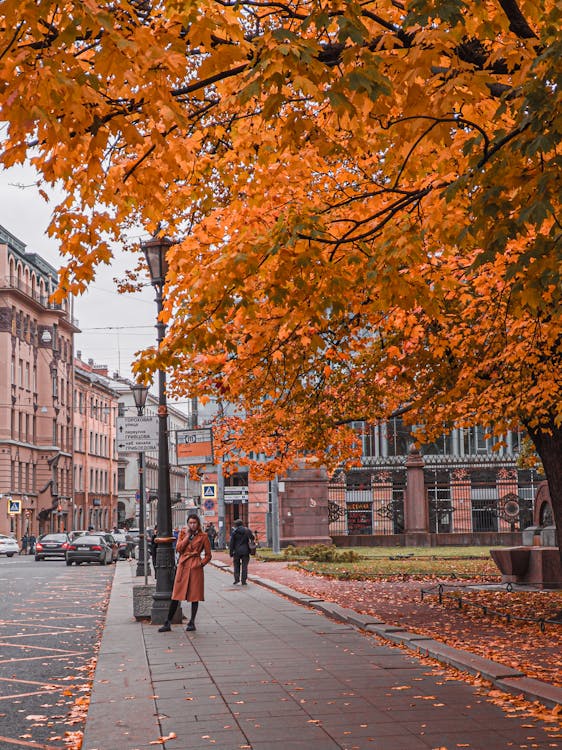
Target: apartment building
[(36, 393), (95, 451)]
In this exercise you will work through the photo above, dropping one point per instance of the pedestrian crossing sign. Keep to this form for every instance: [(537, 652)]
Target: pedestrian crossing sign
[(209, 491), (14, 507)]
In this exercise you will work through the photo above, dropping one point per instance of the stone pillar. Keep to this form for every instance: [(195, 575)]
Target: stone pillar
[(303, 508), (416, 511)]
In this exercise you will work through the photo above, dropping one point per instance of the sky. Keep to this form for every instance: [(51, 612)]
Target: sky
[(113, 326)]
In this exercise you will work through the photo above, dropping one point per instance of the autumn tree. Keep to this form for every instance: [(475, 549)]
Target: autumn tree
[(366, 197)]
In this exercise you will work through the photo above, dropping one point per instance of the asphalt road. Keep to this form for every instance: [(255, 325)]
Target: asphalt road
[(51, 617)]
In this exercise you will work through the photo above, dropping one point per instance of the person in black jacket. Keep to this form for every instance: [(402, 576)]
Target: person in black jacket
[(240, 551)]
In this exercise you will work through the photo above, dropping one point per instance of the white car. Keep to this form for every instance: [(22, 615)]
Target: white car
[(8, 546)]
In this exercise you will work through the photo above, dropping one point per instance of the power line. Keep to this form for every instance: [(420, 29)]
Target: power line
[(115, 328)]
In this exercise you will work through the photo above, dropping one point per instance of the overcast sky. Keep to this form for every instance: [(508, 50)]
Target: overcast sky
[(113, 326)]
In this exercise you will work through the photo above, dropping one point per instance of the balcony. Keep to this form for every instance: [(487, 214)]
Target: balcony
[(38, 295)]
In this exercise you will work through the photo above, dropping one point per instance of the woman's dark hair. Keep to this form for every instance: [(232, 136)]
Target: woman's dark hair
[(194, 515)]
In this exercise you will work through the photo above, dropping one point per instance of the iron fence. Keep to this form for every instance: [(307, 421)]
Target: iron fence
[(460, 500)]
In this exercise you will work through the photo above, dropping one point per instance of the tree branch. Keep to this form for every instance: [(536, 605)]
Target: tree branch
[(517, 21)]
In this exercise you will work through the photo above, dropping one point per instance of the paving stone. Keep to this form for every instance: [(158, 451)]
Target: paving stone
[(286, 678)]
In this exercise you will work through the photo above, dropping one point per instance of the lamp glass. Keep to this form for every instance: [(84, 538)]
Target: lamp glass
[(140, 392), (155, 251)]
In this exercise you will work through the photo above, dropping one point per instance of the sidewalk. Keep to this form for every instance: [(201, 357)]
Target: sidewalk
[(265, 673)]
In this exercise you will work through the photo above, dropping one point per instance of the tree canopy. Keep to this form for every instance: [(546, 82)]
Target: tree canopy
[(366, 198)]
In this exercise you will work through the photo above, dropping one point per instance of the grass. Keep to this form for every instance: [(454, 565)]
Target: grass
[(265, 554), (401, 562), (456, 568)]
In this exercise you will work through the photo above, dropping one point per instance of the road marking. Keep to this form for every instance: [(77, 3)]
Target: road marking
[(13, 741), (31, 682), (24, 695), (45, 657)]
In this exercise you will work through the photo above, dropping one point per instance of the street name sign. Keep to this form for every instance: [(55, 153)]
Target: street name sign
[(137, 434), (236, 495)]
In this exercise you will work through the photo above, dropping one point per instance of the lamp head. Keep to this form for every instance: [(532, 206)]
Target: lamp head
[(140, 392), (155, 251)]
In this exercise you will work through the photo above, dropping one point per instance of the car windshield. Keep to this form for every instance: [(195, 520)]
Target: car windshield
[(54, 538), (86, 539)]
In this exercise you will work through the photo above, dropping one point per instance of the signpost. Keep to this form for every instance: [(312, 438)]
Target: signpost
[(194, 447), (236, 495), (137, 434)]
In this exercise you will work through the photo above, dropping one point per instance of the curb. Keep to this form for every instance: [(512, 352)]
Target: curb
[(510, 680)]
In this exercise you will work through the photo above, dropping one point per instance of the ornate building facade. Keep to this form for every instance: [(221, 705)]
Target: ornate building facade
[(36, 392)]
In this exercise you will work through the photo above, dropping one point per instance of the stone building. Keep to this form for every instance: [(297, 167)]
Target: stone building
[(466, 487), (36, 394), (95, 451)]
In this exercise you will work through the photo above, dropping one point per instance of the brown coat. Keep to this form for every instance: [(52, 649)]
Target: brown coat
[(189, 583)]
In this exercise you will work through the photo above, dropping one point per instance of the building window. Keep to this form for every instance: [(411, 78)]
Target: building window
[(121, 478)]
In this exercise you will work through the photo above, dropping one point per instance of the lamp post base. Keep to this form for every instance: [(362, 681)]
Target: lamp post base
[(164, 572), (140, 568)]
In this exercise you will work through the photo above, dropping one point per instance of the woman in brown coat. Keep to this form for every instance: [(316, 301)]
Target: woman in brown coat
[(189, 581)]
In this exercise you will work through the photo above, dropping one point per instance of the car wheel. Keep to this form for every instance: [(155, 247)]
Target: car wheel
[(69, 562), (37, 558), (103, 561), (10, 554)]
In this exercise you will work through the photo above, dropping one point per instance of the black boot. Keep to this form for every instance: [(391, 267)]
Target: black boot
[(190, 626), (165, 628)]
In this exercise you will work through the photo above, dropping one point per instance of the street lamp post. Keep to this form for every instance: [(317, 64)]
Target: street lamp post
[(140, 392), (155, 251)]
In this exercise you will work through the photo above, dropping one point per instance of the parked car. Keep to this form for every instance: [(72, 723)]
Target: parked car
[(52, 545), (8, 546), (77, 532), (126, 546), (111, 542), (89, 548)]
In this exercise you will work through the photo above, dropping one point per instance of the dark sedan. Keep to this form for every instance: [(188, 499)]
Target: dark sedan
[(89, 548), (50, 546)]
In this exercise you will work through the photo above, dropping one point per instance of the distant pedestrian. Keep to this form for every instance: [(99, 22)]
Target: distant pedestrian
[(211, 533), (189, 583), (257, 538), (24, 543), (240, 550), (31, 544)]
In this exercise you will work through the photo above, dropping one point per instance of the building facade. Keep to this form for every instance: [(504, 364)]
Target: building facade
[(467, 482), (95, 501), (36, 394)]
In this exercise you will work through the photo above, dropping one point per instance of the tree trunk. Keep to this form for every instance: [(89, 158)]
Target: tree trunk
[(548, 443)]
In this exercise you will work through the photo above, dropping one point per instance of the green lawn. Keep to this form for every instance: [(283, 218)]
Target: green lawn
[(450, 567), (382, 562)]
